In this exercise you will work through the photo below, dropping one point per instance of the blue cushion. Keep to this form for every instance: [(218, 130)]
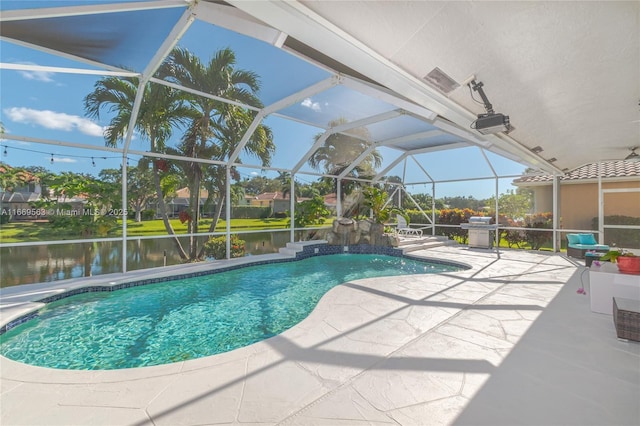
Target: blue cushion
[(587, 239), (573, 238)]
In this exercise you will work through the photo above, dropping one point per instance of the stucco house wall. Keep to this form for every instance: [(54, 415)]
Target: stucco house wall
[(579, 202), (579, 193)]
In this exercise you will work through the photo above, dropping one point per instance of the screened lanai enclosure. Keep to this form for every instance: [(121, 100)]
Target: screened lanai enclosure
[(131, 132)]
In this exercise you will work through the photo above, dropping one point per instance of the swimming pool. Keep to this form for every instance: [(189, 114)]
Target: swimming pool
[(190, 318)]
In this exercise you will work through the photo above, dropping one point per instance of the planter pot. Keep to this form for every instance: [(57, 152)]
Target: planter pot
[(629, 265)]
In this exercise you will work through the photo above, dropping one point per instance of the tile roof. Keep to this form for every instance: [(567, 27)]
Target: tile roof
[(271, 196), (610, 170)]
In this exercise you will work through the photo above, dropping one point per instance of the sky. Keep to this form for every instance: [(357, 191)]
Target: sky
[(50, 106)]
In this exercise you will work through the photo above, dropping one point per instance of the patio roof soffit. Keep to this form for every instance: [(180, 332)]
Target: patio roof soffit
[(302, 23)]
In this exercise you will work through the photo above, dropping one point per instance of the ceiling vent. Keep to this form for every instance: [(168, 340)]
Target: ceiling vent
[(441, 81)]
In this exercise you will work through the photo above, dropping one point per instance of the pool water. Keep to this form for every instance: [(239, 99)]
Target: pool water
[(189, 318)]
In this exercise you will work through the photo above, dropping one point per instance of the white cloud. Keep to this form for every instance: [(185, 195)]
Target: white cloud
[(44, 76), (63, 160), (54, 120), (308, 103)]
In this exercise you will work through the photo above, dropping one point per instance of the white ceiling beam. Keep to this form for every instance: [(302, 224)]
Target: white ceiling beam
[(62, 70), (436, 148), (317, 144), (234, 19), (412, 137), (245, 138), (203, 94), (394, 163), (282, 103), (168, 44), (357, 161), (385, 95), (178, 30), (426, 173), (343, 128), (301, 95), (19, 138)]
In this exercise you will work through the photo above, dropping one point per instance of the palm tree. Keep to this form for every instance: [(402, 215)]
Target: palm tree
[(216, 127), (340, 151), (162, 109)]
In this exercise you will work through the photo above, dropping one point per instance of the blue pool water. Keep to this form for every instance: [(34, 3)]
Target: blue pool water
[(190, 318)]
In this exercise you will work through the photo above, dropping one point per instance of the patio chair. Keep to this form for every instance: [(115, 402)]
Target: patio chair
[(403, 228), (579, 244)]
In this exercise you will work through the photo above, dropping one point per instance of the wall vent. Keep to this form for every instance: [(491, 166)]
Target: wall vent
[(441, 81)]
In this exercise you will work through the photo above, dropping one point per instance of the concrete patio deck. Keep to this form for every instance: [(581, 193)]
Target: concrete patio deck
[(507, 342)]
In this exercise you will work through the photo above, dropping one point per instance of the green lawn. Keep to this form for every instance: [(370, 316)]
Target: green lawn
[(15, 232)]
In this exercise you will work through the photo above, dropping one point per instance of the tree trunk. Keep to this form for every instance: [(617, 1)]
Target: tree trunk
[(194, 201), (163, 212)]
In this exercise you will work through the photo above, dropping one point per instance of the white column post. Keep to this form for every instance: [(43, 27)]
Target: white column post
[(227, 209)]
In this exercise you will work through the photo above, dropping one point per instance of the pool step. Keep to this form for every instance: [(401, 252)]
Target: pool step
[(292, 248), (410, 244)]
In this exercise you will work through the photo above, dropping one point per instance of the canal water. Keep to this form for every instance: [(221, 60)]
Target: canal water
[(43, 263)]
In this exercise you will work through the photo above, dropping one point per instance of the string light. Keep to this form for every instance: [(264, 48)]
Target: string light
[(52, 159)]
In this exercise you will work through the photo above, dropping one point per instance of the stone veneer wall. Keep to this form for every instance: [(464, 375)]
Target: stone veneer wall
[(351, 232)]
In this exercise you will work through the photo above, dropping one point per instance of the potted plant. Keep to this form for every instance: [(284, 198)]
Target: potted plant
[(628, 262)]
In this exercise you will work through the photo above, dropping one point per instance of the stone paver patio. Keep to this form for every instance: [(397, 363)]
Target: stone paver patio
[(508, 341)]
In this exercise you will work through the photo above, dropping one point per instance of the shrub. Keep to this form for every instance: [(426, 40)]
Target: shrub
[(148, 214), (416, 216), (538, 238), (620, 237), (216, 247), (311, 212), (513, 237), (250, 212), (456, 217)]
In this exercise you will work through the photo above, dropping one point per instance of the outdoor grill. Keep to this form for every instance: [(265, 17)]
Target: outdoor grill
[(481, 231)]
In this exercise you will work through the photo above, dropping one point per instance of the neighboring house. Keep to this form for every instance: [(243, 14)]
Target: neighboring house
[(579, 196), (331, 202), (278, 202), (19, 198), (180, 203)]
